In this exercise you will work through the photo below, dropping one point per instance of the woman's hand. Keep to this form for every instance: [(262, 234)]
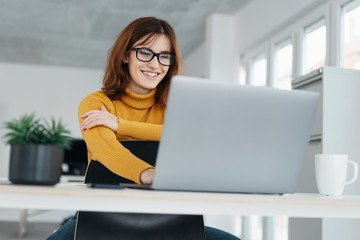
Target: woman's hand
[(147, 176), (100, 117)]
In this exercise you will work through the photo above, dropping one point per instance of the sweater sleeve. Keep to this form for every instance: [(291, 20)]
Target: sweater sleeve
[(139, 130), (104, 146)]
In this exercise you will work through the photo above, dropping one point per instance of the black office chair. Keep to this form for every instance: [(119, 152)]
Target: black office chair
[(134, 226)]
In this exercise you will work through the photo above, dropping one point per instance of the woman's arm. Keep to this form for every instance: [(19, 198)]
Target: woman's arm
[(139, 130), (122, 127), (100, 117), (104, 146)]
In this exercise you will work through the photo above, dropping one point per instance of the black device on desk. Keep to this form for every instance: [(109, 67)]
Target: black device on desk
[(75, 159)]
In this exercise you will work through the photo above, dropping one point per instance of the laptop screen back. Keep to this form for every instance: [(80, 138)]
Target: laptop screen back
[(231, 138)]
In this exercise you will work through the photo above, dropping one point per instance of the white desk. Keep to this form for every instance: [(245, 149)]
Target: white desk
[(75, 196)]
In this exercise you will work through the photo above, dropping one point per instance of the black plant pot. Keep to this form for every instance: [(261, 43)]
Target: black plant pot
[(35, 164)]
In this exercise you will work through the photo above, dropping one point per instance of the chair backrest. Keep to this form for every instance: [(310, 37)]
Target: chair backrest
[(76, 158), (135, 226)]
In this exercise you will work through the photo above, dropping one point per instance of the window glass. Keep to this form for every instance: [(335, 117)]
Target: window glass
[(314, 53), (242, 75), (256, 227), (258, 76), (282, 228), (351, 35), (283, 64)]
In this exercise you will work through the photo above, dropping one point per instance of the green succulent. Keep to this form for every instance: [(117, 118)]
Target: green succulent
[(29, 130)]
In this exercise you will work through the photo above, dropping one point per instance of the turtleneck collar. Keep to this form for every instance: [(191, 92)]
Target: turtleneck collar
[(139, 101)]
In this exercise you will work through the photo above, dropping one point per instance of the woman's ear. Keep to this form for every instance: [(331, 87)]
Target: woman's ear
[(125, 59)]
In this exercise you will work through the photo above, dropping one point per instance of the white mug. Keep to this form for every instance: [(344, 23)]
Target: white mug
[(331, 173)]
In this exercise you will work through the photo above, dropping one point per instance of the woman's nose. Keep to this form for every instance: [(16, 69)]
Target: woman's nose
[(154, 62)]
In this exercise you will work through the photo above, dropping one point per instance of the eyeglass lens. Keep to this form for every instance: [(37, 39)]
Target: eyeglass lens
[(146, 55)]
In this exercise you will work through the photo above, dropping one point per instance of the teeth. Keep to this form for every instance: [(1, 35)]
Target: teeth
[(150, 74)]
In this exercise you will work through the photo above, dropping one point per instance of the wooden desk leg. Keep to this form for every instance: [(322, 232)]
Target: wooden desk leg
[(22, 223)]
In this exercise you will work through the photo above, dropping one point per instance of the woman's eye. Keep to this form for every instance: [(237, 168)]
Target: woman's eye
[(145, 52), (165, 56)]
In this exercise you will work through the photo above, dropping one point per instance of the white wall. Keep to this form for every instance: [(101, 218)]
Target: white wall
[(195, 63), (215, 59), (221, 59), (47, 92)]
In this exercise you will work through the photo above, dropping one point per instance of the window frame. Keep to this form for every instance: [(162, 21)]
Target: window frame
[(286, 39), (312, 26), (256, 58), (340, 28), (248, 60)]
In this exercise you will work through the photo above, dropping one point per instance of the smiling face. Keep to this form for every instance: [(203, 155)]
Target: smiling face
[(145, 76)]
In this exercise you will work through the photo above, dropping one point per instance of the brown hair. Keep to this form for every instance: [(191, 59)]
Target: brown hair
[(117, 76)]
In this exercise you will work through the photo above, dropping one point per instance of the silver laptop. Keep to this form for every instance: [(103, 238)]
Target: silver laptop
[(224, 137)]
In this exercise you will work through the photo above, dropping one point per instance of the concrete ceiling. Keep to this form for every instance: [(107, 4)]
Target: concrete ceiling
[(78, 33)]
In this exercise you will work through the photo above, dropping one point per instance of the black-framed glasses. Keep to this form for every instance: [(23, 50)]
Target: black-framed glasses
[(146, 55)]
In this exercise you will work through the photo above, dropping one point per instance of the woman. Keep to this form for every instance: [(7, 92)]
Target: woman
[(132, 103)]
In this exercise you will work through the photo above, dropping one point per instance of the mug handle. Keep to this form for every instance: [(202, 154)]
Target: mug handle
[(355, 171)]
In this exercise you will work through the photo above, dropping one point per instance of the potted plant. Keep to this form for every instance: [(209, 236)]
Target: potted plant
[(37, 150)]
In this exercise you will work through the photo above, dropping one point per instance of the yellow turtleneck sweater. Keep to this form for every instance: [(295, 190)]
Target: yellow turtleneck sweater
[(139, 118)]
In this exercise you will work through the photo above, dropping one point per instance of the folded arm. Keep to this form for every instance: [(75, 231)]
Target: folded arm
[(104, 146)]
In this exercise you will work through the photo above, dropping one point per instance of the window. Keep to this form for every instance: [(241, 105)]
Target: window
[(258, 70), (314, 52), (242, 75), (283, 64), (351, 35), (282, 228), (257, 231)]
